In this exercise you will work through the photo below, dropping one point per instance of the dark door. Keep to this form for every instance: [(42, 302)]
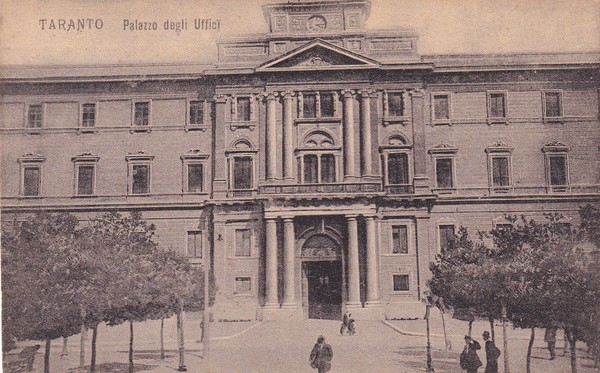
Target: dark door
[(324, 290)]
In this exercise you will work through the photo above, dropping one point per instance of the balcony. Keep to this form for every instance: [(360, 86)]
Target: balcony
[(320, 188)]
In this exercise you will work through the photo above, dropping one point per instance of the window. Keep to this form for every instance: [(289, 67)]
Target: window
[(317, 105), (557, 167), (319, 168), (85, 179), (441, 107), (395, 104), (195, 178), (243, 240), (194, 244), (401, 283), (32, 181), (243, 169), (327, 105), (141, 115), (500, 172), (397, 169), (552, 104), (243, 285), (447, 237), (443, 173), (196, 114), (35, 116), (497, 105), (88, 115), (139, 173), (399, 239), (243, 109), (309, 106)]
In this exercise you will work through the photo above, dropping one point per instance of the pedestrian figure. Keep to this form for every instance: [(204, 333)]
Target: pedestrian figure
[(550, 339), (351, 330), (469, 360), (344, 323), (492, 353), (321, 355)]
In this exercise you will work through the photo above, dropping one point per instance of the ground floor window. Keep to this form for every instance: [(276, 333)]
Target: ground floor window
[(401, 283), (243, 285)]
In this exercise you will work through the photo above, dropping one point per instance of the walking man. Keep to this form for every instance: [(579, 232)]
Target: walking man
[(469, 360), (321, 355), (550, 339), (492, 353)]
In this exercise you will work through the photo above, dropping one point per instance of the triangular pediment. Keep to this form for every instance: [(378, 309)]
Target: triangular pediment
[(319, 55)]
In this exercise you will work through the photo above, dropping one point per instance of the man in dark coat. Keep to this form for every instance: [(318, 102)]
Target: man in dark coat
[(321, 355), (550, 339), (492, 353), (469, 360)]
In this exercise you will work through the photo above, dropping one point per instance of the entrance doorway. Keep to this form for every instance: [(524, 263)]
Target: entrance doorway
[(324, 285)]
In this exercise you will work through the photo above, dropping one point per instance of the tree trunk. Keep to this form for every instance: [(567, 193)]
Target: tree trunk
[(492, 331), (529, 348), (162, 338), (82, 345), (470, 328), (505, 340), (65, 349), (47, 357), (130, 346), (447, 342), (429, 359), (94, 338), (571, 334), (181, 339)]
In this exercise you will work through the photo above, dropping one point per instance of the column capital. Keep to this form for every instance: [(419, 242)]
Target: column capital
[(271, 219), (351, 217), (220, 98), (348, 93), (287, 94), (288, 219), (371, 217), (417, 92), (269, 96), (366, 93)]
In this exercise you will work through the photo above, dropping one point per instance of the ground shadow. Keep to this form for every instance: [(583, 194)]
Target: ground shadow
[(115, 368)]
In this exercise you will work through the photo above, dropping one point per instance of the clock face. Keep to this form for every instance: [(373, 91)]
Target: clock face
[(316, 23)]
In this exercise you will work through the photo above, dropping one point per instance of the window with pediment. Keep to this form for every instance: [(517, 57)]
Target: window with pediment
[(241, 159), (396, 160), (318, 159)]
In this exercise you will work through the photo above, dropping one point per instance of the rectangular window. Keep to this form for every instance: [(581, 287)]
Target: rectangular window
[(142, 114), (194, 244), (243, 109), (558, 170), (397, 169), (401, 283), (328, 168), (309, 106), (311, 169), (552, 104), (242, 173), (35, 116), (194, 178), (447, 237), (85, 180), (140, 183), (497, 105), (327, 105), (395, 104), (243, 239), (88, 115), (399, 239), (31, 181), (196, 112), (500, 172), (441, 107), (243, 285), (443, 171)]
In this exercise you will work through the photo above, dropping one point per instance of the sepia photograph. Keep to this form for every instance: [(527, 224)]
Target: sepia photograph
[(257, 186)]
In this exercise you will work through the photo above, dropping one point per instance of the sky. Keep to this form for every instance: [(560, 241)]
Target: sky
[(444, 26)]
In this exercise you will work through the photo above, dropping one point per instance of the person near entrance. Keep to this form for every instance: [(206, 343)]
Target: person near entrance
[(344, 323), (321, 355)]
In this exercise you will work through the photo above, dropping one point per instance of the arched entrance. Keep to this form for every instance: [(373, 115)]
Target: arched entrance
[(322, 278)]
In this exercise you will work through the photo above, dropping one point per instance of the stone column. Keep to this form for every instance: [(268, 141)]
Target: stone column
[(420, 179), (271, 264), (372, 263), (353, 267), (271, 136), (365, 130), (289, 296), (220, 173), (349, 164), (288, 130)]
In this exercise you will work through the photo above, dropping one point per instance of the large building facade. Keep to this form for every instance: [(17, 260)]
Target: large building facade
[(321, 166)]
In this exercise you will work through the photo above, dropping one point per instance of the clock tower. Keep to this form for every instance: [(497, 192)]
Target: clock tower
[(317, 17)]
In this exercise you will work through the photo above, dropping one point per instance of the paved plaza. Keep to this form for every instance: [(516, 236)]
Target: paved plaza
[(248, 347)]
